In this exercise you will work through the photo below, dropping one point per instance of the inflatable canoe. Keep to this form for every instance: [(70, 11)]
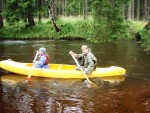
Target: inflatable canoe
[(59, 70)]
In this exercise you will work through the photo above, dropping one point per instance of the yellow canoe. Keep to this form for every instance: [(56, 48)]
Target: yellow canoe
[(59, 70)]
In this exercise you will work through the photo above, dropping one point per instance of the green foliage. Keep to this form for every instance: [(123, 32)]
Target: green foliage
[(145, 39), (109, 23), (136, 26), (11, 12), (73, 7), (15, 10), (24, 5), (71, 28), (19, 31), (82, 29), (79, 29)]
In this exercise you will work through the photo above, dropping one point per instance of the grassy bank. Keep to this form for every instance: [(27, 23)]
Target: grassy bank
[(137, 26), (71, 28)]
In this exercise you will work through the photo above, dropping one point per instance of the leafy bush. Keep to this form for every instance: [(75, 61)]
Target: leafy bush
[(145, 39), (108, 21)]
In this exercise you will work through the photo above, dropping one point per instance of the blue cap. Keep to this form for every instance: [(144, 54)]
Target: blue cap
[(42, 49)]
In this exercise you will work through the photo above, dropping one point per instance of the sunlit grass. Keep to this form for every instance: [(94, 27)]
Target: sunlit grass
[(66, 19), (74, 18), (137, 26)]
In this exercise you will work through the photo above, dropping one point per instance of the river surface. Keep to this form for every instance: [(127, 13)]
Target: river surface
[(126, 94)]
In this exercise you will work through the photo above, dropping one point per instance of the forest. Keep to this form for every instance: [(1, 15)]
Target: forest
[(92, 20)]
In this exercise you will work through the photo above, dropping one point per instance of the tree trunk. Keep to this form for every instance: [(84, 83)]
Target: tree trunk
[(39, 4), (129, 10), (132, 12), (51, 15), (138, 10), (80, 8), (55, 9), (63, 8), (30, 16), (85, 9), (66, 8), (1, 17), (145, 10), (123, 10), (148, 9)]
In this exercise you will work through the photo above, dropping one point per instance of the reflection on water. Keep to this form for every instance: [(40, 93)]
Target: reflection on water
[(130, 94), (55, 95)]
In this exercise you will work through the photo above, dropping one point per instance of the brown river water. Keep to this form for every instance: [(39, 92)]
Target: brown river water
[(125, 94)]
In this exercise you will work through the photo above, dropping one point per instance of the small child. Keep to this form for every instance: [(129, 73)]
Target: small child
[(42, 60)]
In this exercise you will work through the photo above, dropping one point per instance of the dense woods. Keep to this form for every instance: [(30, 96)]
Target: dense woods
[(136, 10), (21, 9), (109, 17), (12, 10)]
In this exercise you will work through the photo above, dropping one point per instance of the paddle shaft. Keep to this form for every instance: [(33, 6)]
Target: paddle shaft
[(36, 55), (80, 68), (29, 75)]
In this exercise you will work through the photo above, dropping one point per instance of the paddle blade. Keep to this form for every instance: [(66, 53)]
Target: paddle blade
[(90, 84), (29, 76), (28, 79)]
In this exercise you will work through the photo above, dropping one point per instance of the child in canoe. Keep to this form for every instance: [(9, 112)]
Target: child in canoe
[(42, 60)]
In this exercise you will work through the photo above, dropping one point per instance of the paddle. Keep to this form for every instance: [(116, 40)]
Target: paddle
[(90, 82), (30, 73)]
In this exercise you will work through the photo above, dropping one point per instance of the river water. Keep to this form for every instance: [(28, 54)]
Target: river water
[(126, 94)]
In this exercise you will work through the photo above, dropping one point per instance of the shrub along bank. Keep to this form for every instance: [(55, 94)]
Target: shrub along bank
[(82, 29), (71, 28)]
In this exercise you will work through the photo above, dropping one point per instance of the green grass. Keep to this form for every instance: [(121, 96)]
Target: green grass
[(75, 28), (136, 26), (71, 28)]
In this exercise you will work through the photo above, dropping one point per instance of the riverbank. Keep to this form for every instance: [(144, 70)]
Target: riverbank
[(71, 28)]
